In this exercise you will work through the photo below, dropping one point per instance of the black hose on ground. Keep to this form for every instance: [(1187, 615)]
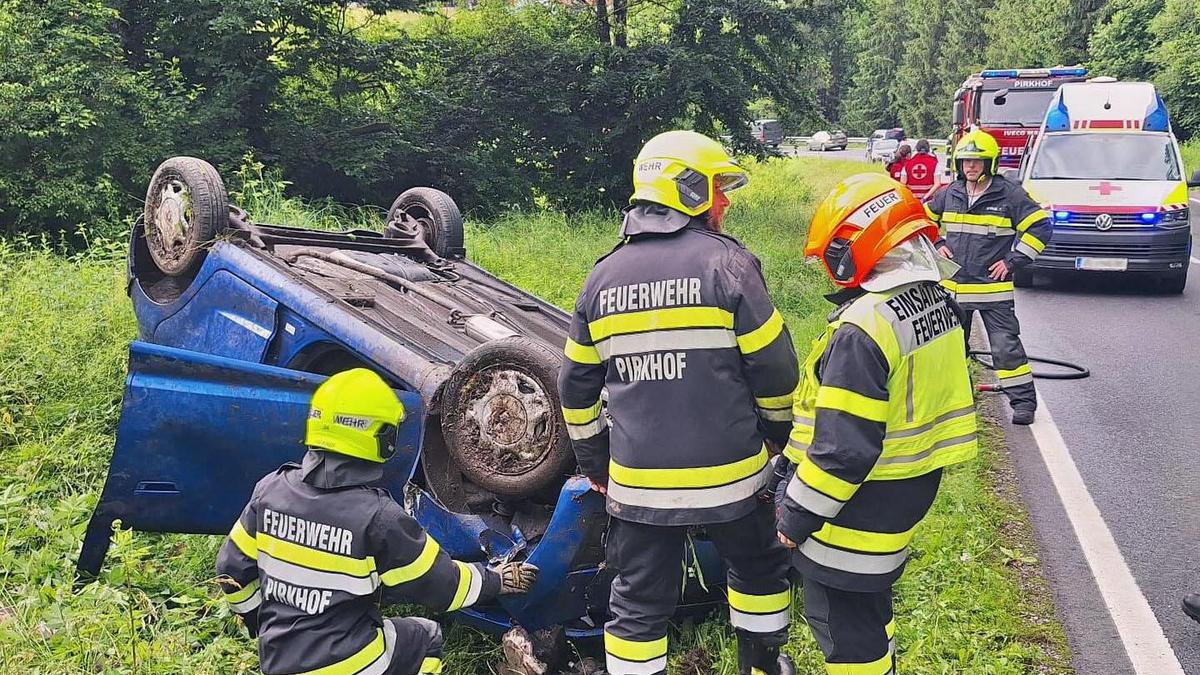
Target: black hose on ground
[(1070, 371)]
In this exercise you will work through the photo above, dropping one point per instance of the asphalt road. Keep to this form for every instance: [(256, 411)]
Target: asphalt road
[(1132, 430)]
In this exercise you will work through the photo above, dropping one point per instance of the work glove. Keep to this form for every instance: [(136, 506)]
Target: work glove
[(516, 577)]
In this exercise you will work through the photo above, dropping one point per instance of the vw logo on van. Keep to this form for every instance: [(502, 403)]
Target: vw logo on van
[(1104, 222)]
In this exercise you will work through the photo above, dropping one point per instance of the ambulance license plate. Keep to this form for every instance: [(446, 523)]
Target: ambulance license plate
[(1102, 264)]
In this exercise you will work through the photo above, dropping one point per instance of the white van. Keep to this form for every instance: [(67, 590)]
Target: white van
[(1107, 167)]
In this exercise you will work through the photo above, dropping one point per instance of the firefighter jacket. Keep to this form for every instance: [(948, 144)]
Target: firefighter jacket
[(311, 555), (884, 403), (1004, 223), (675, 323)]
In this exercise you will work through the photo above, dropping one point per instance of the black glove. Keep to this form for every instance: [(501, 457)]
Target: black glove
[(516, 577)]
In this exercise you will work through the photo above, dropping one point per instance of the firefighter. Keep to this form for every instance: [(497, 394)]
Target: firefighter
[(884, 404), (992, 228), (305, 563), (920, 171), (699, 369)]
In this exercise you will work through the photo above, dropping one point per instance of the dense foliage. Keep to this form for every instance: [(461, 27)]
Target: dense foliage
[(508, 104), (502, 106)]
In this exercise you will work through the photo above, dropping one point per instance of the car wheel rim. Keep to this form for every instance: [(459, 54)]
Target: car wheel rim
[(172, 225), (424, 222), (514, 417)]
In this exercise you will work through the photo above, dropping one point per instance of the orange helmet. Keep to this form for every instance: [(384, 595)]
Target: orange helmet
[(861, 219)]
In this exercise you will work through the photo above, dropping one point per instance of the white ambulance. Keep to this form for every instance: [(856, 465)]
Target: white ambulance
[(1108, 170)]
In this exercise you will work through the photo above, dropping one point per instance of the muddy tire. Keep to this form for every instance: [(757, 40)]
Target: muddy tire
[(501, 417), (438, 217), (186, 208)]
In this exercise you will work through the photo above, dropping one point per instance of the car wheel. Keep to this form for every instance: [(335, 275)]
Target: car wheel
[(1023, 278), (501, 417), (437, 216), (1173, 283), (186, 208)]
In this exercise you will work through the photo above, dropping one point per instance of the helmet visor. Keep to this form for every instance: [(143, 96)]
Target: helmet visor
[(728, 182)]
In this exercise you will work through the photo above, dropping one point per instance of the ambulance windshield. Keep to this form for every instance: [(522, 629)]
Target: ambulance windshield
[(1026, 107), (1106, 156)]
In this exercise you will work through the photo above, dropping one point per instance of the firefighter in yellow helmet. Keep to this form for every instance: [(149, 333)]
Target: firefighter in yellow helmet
[(305, 563), (992, 228), (884, 404), (699, 368)]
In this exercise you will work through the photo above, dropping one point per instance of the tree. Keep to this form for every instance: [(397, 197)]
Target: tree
[(1081, 18), (1026, 33), (871, 102), (918, 83), (1178, 63), (1123, 45)]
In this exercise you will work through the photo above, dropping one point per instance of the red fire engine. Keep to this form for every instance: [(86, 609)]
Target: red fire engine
[(1009, 104)]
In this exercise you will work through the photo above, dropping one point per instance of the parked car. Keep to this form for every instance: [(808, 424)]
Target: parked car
[(895, 133), (767, 132), (239, 322), (828, 140), (883, 150)]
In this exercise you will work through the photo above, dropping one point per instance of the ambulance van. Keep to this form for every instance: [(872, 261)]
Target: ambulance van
[(1107, 169)]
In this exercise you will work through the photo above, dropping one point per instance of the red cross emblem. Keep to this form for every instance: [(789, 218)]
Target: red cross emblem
[(920, 172), (1105, 188)]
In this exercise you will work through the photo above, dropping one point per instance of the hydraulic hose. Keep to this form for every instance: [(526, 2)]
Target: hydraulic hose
[(1069, 370)]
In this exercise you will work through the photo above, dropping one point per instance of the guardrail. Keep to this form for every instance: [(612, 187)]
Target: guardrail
[(800, 140)]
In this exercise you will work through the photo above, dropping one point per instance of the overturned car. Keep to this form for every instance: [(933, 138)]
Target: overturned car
[(238, 322)]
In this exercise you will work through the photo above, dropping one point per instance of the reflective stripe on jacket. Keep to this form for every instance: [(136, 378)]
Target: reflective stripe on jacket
[(677, 326), (303, 566), (1004, 223), (885, 400)]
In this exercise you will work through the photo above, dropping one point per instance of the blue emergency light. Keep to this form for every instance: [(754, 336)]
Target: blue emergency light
[(1149, 218), (1157, 120), (1062, 216), (1057, 118), (999, 73), (1066, 72)]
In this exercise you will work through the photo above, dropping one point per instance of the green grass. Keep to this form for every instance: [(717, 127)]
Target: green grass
[(972, 601), (1191, 157)]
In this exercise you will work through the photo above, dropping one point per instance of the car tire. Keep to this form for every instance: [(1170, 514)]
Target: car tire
[(1023, 278), (437, 215), (1173, 283), (186, 208), (502, 420)]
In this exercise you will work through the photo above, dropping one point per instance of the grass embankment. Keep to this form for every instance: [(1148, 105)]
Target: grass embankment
[(972, 600)]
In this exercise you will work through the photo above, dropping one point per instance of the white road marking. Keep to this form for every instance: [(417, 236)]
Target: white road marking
[(1140, 632)]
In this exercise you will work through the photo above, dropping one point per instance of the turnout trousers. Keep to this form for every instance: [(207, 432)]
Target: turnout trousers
[(1008, 354), (856, 631), (418, 647), (649, 563)]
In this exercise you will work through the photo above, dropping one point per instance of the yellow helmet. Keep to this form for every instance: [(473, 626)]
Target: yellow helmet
[(355, 413), (977, 144), (678, 169)]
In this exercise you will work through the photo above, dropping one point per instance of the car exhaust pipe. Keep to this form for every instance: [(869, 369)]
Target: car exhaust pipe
[(485, 330)]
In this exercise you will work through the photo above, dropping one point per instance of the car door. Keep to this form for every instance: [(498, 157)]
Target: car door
[(197, 432)]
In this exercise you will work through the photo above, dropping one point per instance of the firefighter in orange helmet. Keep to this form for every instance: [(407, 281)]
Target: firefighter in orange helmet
[(884, 404)]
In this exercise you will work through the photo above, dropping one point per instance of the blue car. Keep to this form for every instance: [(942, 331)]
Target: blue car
[(238, 323)]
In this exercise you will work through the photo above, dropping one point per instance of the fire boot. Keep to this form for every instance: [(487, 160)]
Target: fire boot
[(755, 657)]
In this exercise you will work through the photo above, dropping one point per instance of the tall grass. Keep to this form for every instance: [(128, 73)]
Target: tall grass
[(65, 323)]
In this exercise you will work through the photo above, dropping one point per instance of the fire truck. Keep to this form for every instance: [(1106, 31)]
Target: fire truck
[(1009, 104)]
